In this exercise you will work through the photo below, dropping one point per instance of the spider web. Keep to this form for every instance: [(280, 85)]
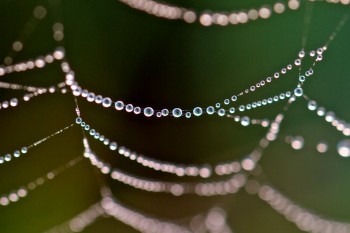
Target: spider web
[(171, 64)]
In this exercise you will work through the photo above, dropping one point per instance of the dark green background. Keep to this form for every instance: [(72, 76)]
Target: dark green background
[(125, 54)]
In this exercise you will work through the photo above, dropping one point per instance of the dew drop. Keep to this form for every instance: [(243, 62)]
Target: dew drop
[(129, 108), (312, 105), (241, 108), (298, 91), (234, 98), (177, 112), (113, 146), (226, 101), (98, 99), (148, 111), (165, 112), (92, 132), (24, 150), (302, 78), (221, 112), (106, 102), (188, 115), (16, 154), (217, 105), (14, 102), (78, 120), (137, 110), (119, 105), (197, 111), (232, 110), (210, 110), (245, 121), (322, 147), (343, 148), (297, 143)]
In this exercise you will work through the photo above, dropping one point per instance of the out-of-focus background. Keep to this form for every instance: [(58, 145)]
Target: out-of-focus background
[(126, 54)]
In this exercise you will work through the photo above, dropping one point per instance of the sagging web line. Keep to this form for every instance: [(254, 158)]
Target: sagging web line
[(39, 63)]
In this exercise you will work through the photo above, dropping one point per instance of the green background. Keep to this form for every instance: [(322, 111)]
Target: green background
[(147, 61)]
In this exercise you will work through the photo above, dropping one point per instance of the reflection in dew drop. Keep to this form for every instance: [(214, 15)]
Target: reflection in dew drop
[(297, 142), (343, 148)]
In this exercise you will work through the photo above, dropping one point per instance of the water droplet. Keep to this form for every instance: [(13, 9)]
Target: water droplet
[(82, 124), (322, 147), (113, 146), (245, 121), (24, 150), (330, 116), (241, 108), (232, 110), (297, 142), (197, 111), (321, 111), (7, 157), (312, 105), (298, 91), (234, 98), (91, 97), (98, 99), (16, 154), (137, 110), (302, 78), (343, 148), (119, 105), (301, 54), (2, 160), (14, 102), (129, 108), (297, 62), (188, 115), (221, 112), (106, 102), (276, 75), (78, 120), (87, 127), (106, 141), (217, 105), (165, 112), (148, 111), (268, 79), (177, 112), (210, 110), (312, 53), (92, 132), (159, 114), (226, 101)]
